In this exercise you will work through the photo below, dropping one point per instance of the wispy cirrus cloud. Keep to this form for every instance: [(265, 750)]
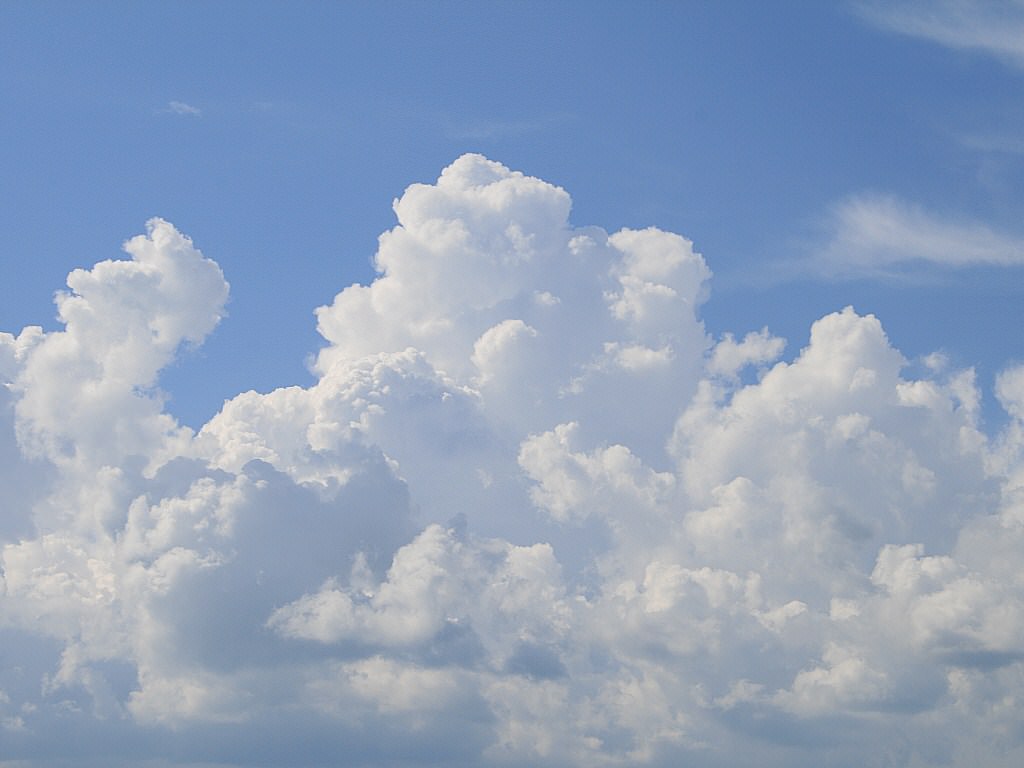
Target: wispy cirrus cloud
[(885, 235), (996, 28)]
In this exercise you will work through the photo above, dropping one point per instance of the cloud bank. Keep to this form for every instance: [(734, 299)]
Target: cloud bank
[(530, 513)]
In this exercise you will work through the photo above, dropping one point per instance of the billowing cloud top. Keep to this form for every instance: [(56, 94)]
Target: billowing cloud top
[(530, 513)]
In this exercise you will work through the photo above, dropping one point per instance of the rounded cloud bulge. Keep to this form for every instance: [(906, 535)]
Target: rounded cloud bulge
[(529, 513)]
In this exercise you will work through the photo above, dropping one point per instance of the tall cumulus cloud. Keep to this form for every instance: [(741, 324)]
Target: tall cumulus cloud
[(530, 513)]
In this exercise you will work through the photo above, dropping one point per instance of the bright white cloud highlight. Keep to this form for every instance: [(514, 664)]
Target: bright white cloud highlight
[(528, 514)]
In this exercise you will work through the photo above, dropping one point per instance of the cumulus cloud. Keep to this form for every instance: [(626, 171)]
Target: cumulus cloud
[(883, 236), (995, 28), (529, 513)]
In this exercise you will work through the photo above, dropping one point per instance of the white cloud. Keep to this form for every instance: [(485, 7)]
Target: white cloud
[(86, 395), (995, 28), (528, 514), (729, 357), (181, 108), (883, 235)]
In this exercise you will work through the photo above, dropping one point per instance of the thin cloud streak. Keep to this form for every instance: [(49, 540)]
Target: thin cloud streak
[(881, 234), (884, 237), (993, 28)]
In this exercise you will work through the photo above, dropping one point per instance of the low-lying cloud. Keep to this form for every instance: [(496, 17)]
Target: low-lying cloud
[(530, 513)]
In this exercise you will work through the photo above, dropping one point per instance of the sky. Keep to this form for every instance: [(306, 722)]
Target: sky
[(511, 384)]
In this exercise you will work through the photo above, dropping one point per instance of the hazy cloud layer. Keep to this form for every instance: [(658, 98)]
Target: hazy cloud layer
[(530, 513)]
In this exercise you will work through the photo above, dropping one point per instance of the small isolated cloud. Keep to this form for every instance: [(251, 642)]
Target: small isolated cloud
[(884, 235), (181, 108), (995, 28)]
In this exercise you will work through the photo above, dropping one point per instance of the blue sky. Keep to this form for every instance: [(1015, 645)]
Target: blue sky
[(511, 384), (739, 125)]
